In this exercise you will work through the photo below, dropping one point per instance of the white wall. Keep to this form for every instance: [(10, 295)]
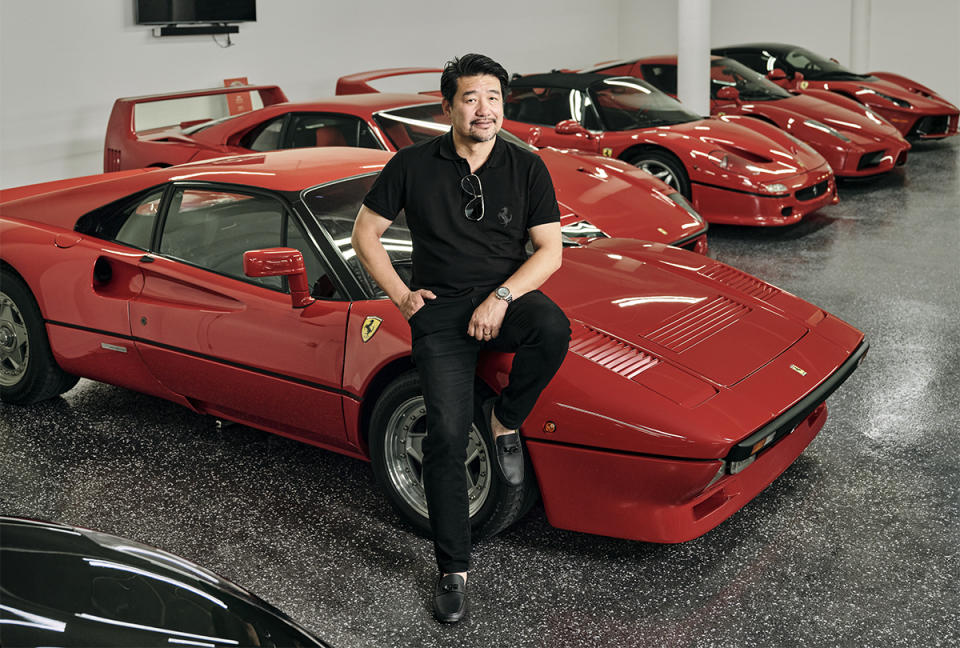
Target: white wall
[(916, 38), (919, 39), (63, 62)]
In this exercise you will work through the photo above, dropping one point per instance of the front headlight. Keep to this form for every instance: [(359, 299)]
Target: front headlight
[(774, 188), (820, 126), (683, 202), (902, 103), (583, 229)]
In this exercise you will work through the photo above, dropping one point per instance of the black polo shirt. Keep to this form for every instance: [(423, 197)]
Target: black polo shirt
[(451, 254)]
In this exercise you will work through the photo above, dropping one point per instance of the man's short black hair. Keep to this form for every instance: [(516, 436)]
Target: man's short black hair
[(470, 65)]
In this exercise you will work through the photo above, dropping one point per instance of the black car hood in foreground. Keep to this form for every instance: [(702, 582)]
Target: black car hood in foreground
[(65, 586)]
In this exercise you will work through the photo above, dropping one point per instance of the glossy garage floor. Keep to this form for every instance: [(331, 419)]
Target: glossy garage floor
[(855, 545)]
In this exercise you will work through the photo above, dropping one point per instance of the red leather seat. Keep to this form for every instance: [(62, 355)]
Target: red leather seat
[(330, 137)]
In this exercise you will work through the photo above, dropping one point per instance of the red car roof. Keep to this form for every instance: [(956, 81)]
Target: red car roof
[(290, 170)]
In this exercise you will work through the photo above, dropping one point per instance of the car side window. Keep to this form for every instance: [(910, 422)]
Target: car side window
[(212, 229), (138, 220), (325, 129), (544, 106), (265, 137), (799, 61)]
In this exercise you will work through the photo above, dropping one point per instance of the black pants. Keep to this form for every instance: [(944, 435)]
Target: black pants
[(538, 332)]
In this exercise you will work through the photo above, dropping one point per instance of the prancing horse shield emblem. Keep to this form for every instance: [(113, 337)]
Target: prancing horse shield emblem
[(370, 326)]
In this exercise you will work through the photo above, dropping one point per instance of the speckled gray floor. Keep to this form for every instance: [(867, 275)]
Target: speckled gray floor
[(855, 545)]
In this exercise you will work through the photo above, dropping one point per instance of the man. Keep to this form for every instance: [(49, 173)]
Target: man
[(472, 201)]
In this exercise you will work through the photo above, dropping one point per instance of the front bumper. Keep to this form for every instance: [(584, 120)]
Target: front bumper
[(932, 125), (669, 499), (654, 499), (808, 192), (860, 163)]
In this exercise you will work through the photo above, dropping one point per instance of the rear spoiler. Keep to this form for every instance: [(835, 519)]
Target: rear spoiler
[(359, 83), (121, 125), (123, 107)]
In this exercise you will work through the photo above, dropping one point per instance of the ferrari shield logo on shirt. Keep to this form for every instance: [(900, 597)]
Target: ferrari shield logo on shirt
[(370, 326), (608, 152)]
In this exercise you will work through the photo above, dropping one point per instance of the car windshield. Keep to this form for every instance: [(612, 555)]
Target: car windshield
[(814, 66), (751, 85), (626, 103), (412, 124), (335, 207)]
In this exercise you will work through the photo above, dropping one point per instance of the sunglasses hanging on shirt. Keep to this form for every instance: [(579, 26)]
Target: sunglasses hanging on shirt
[(474, 207)]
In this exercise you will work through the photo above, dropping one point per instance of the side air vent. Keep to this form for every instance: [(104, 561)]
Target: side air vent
[(695, 324), (740, 281), (111, 160), (614, 354)]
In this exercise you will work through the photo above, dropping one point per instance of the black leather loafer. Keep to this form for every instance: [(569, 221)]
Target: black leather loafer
[(450, 598), (507, 448)]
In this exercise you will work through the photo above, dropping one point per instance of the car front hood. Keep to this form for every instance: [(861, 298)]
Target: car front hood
[(622, 201), (917, 101), (858, 127), (769, 156), (674, 308)]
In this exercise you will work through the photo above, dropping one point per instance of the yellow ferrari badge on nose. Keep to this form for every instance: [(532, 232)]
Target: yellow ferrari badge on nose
[(798, 370), (662, 231), (370, 326), (608, 152), (804, 85)]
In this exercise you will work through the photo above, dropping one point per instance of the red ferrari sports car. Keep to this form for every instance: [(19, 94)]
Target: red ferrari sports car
[(230, 286), (753, 174), (597, 196), (849, 136), (914, 109)]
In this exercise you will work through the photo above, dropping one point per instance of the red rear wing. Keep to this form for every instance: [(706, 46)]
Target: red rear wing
[(359, 83), (122, 125)]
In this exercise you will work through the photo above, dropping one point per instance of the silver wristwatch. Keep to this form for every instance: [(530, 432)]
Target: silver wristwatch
[(503, 293)]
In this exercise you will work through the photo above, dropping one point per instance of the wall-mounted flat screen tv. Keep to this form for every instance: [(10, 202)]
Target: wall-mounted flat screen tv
[(170, 12)]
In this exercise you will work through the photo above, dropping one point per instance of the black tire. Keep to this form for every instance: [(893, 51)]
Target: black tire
[(397, 428), (28, 372), (663, 166)]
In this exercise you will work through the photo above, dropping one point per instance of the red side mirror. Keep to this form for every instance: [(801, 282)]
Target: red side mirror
[(571, 127), (533, 135), (728, 93), (280, 262), (777, 75)]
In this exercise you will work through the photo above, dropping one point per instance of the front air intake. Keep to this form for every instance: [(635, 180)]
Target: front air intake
[(740, 281), (695, 324), (607, 351)]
